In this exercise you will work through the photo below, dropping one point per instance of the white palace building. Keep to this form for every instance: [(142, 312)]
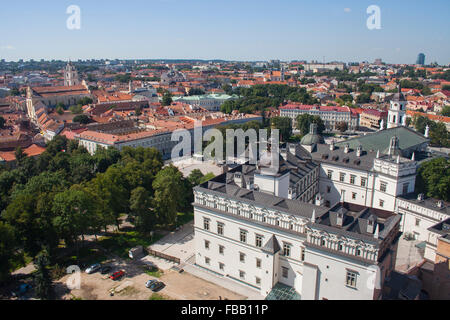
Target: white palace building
[(325, 225)]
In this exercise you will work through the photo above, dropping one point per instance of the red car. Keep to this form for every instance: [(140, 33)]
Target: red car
[(117, 275)]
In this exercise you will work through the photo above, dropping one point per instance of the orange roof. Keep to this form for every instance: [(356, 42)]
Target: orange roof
[(429, 116)]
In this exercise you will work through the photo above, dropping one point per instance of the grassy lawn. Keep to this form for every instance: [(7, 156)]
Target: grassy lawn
[(121, 242), (153, 272), (184, 218), (157, 296), (86, 256), (16, 264)]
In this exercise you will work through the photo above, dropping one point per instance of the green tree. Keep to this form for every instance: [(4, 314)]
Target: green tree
[(195, 177), (304, 121), (75, 212), (446, 111), (2, 122), (42, 278), (284, 124), (433, 179), (168, 188), (82, 118), (167, 99), (140, 204), (20, 155), (8, 247), (342, 126)]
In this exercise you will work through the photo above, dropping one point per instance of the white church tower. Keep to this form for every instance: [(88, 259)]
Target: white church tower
[(397, 110), (70, 76)]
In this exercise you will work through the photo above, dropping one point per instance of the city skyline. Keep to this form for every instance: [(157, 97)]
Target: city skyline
[(248, 31)]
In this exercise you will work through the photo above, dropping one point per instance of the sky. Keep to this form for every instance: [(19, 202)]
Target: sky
[(244, 30)]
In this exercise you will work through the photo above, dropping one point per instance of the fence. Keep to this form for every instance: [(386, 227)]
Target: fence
[(163, 256)]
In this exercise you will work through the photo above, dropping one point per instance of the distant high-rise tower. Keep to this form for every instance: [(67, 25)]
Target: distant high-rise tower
[(397, 110), (421, 59), (71, 75)]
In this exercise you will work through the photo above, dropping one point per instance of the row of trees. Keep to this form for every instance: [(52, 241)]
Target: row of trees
[(67, 193), (439, 136), (261, 97)]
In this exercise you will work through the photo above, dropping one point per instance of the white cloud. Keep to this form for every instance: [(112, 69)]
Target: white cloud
[(347, 10), (8, 47)]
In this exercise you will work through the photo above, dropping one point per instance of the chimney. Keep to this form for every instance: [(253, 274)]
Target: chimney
[(292, 148), (440, 204), (319, 200), (313, 217), (371, 222), (359, 151), (347, 148), (339, 219), (332, 145), (421, 197)]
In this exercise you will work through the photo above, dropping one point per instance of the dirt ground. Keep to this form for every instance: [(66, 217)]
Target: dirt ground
[(178, 286)]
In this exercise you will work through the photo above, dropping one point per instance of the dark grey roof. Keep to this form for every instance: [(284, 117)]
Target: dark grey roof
[(272, 246), (356, 219), (339, 157), (428, 203)]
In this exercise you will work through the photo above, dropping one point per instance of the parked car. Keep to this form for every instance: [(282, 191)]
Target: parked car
[(105, 269), (117, 275), (22, 290), (94, 268), (156, 286), (150, 282)]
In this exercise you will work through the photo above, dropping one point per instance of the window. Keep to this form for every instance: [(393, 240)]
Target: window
[(285, 272), (330, 174), (241, 274), (354, 196), (340, 246), (206, 244), (286, 249), (207, 260), (328, 189), (358, 252), (352, 179), (243, 236), (258, 263), (220, 228), (323, 242), (205, 223), (221, 249), (241, 257), (221, 266), (417, 222), (302, 254), (257, 281), (351, 279), (342, 177), (258, 241), (381, 203), (405, 188), (363, 182), (383, 186)]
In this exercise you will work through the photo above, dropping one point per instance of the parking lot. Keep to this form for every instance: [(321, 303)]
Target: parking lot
[(178, 286)]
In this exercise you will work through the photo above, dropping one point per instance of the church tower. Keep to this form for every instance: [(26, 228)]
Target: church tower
[(397, 110), (70, 76)]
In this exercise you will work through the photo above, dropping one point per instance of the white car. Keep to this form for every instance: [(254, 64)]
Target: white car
[(93, 268)]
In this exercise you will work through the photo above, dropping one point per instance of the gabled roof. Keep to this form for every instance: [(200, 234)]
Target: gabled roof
[(272, 246)]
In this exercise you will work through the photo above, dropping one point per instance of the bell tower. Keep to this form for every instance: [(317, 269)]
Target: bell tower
[(397, 110), (70, 76)]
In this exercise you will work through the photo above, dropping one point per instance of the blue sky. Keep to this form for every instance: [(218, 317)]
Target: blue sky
[(230, 30)]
